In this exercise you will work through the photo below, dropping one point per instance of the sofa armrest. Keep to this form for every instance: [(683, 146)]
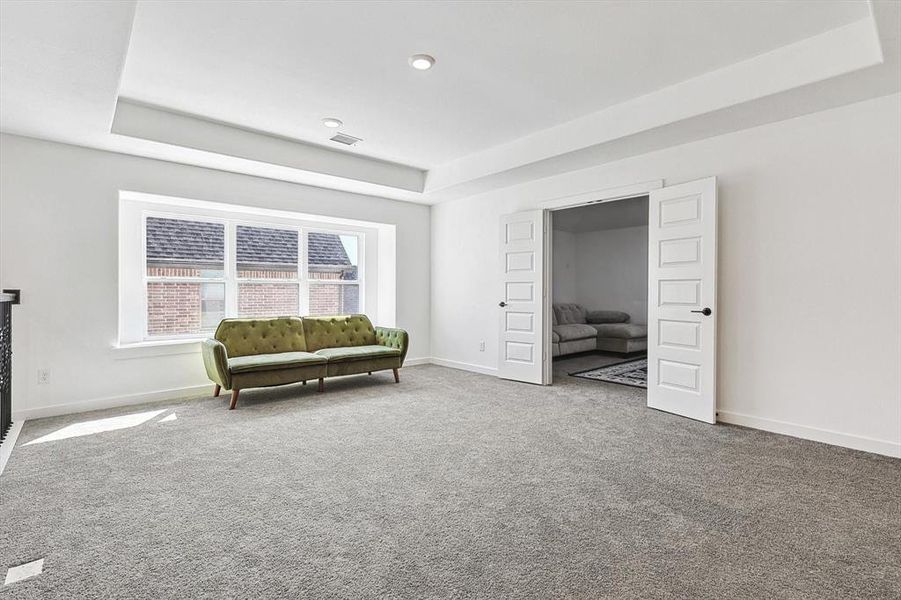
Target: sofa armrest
[(393, 338), (607, 316), (215, 360)]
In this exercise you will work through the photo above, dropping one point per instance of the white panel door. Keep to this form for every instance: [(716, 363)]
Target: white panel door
[(682, 299), (521, 348)]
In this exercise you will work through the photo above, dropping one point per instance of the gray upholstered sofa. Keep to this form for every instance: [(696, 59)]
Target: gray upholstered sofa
[(578, 330)]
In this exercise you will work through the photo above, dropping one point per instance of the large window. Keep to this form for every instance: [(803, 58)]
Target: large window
[(201, 269), (267, 273), (334, 277), (185, 277)]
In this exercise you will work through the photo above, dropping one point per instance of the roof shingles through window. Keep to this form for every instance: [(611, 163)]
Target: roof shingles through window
[(181, 241), (178, 241), (262, 245)]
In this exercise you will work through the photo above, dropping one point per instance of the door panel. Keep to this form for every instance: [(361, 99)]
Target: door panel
[(679, 334), (682, 284), (679, 292), (520, 291), (521, 352), (684, 251), (520, 321)]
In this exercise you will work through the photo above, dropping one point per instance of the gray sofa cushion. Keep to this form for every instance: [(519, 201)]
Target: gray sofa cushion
[(622, 346), (626, 331), (575, 331), (568, 314), (573, 346), (607, 316), (555, 337)]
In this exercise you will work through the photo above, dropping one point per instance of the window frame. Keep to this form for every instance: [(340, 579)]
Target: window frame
[(230, 277), (146, 279), (311, 282), (231, 292)]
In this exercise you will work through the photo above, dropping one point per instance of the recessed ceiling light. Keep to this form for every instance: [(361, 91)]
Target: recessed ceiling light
[(422, 62), (332, 122)]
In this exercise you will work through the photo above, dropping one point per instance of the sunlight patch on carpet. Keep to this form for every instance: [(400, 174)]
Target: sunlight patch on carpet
[(97, 426), (24, 571)]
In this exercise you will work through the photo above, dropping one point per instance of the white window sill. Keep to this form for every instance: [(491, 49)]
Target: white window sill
[(159, 348)]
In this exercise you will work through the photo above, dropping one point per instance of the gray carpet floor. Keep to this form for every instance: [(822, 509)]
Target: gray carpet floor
[(448, 485)]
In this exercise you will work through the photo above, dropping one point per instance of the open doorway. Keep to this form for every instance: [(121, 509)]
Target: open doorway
[(681, 295), (599, 291)]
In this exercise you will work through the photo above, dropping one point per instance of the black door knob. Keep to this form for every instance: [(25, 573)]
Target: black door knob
[(502, 304), (706, 312)]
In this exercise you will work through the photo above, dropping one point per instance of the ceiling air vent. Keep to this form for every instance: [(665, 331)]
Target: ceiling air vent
[(347, 140)]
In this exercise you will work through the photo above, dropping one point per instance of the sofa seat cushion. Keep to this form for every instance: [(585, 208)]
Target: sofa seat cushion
[(350, 353), (269, 362), (575, 332), (624, 331)]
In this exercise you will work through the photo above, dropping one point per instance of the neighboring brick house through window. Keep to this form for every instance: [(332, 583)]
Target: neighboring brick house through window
[(199, 271)]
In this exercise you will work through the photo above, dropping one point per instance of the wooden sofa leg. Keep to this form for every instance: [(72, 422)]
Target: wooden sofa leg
[(304, 381), (396, 376), (234, 400), (321, 384), (216, 390)]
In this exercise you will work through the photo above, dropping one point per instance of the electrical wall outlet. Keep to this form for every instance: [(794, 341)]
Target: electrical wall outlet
[(482, 346), (43, 376)]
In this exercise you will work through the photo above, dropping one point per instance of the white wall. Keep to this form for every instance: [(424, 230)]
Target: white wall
[(564, 271), (612, 271), (59, 245), (809, 268), (603, 270)]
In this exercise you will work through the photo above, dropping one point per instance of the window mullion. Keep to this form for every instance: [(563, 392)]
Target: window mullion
[(361, 273), (145, 318), (231, 270), (303, 276)]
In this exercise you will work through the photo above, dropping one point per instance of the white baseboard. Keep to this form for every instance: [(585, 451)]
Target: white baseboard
[(412, 362), (6, 448), (453, 364), (55, 410), (826, 436), (884, 447)]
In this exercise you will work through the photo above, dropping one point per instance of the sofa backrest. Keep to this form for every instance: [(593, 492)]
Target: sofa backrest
[(338, 332), (568, 314), (608, 316), (245, 337)]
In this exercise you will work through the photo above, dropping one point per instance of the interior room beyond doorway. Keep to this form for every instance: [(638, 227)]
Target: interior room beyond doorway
[(600, 291)]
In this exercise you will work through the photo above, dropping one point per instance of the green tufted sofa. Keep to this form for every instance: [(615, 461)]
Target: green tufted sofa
[(249, 353)]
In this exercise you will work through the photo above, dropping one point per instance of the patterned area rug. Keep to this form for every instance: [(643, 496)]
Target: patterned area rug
[(631, 372)]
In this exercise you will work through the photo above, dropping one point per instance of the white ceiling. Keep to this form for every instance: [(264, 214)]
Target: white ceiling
[(521, 90), (59, 72), (504, 70), (632, 212)]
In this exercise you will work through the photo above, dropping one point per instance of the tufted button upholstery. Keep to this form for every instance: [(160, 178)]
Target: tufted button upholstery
[(338, 332), (393, 338), (569, 314), (245, 337), (248, 353)]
